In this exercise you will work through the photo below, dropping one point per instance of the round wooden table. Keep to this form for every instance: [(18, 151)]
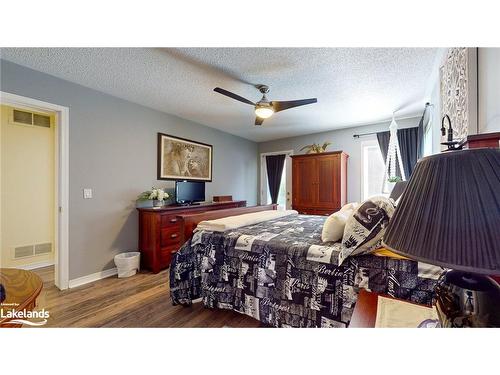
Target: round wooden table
[(21, 290)]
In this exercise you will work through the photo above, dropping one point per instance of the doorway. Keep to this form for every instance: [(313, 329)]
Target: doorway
[(34, 185), (285, 192)]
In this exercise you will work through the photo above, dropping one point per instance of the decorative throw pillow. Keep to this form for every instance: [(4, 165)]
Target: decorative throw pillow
[(350, 206), (333, 228), (365, 227)]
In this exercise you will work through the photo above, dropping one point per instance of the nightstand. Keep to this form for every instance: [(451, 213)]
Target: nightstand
[(21, 291), (365, 311)]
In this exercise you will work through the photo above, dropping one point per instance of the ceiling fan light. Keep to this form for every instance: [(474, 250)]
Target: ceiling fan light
[(264, 112)]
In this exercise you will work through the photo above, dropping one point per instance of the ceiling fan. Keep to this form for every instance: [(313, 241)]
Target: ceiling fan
[(265, 108)]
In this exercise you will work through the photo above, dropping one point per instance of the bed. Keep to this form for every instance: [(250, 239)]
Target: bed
[(279, 272)]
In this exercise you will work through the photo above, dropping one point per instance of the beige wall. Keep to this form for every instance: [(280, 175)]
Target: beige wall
[(27, 189)]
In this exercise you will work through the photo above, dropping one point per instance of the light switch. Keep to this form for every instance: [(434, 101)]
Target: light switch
[(87, 193)]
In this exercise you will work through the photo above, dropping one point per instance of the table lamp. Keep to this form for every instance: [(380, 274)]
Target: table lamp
[(449, 215)]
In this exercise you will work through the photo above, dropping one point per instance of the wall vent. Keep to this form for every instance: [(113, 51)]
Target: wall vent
[(41, 120), (22, 117), (30, 118), (43, 248), (32, 250), (24, 251)]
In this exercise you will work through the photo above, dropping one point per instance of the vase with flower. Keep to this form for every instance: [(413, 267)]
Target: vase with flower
[(152, 198)]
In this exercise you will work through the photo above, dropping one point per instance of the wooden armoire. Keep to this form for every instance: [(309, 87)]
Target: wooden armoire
[(319, 182)]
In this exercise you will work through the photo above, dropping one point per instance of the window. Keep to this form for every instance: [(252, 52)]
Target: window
[(372, 169)]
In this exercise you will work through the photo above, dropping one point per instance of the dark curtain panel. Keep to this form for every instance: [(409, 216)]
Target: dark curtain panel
[(274, 164), (411, 146), (408, 145), (383, 144)]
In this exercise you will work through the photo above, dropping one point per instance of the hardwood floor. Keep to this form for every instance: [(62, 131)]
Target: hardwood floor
[(142, 300)]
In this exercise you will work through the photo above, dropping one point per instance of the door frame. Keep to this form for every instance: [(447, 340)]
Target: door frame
[(263, 176), (61, 257)]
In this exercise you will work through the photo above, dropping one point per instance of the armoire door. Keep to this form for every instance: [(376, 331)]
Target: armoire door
[(328, 177), (304, 181)]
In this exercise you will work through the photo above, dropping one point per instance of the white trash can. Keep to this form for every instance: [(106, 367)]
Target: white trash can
[(127, 263)]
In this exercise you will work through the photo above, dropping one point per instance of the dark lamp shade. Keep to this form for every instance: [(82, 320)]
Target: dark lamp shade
[(449, 214)]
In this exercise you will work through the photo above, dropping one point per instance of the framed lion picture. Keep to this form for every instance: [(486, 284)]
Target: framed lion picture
[(183, 159)]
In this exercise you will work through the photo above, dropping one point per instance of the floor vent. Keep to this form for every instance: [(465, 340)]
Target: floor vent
[(30, 118)]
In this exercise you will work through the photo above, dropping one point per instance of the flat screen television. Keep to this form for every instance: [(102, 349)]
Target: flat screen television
[(189, 192)]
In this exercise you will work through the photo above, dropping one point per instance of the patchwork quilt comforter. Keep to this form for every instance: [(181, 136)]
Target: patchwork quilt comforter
[(280, 273)]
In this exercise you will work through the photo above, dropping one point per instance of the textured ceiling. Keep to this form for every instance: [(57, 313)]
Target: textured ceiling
[(353, 85)]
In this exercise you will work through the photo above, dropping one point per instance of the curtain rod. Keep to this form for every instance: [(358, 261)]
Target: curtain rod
[(365, 134)]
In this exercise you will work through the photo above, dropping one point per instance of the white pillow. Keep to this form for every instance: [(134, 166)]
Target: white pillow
[(350, 206), (333, 228)]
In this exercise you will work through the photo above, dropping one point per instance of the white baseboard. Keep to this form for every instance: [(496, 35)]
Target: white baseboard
[(33, 266), (92, 277)]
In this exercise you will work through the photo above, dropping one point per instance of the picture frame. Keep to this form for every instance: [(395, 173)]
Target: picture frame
[(183, 159)]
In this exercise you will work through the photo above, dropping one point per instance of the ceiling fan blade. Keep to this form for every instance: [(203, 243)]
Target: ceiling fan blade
[(258, 121), (281, 106), (232, 95)]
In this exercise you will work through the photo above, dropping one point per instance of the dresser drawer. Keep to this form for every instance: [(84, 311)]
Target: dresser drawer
[(170, 236), (169, 220), (166, 254), (165, 257)]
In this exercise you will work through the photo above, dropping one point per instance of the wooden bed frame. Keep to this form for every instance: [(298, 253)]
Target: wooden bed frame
[(190, 221)]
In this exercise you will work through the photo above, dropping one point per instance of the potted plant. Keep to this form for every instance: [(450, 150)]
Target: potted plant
[(316, 148), (152, 198)]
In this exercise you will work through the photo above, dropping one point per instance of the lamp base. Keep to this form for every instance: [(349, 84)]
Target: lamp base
[(465, 299)]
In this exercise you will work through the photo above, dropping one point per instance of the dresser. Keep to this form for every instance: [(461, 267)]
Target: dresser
[(319, 182), (482, 140), (161, 231)]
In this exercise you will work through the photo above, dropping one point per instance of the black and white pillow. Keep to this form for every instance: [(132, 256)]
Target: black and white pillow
[(364, 229)]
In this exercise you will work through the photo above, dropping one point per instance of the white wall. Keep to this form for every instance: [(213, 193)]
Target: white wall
[(433, 95), (488, 93), (489, 90), (488, 113), (341, 139)]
